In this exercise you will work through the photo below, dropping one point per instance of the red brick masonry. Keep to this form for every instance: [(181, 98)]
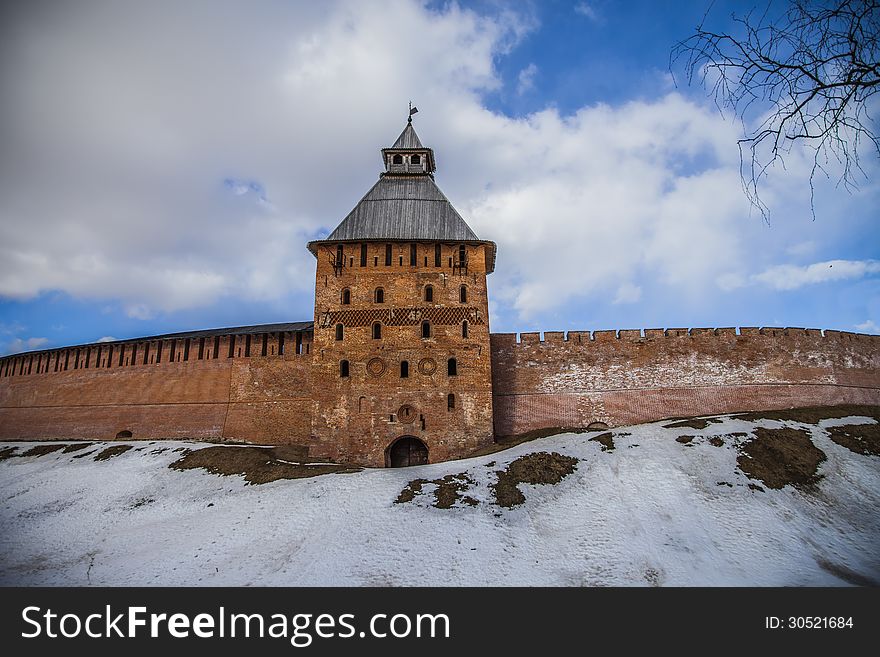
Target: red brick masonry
[(632, 376), (568, 381)]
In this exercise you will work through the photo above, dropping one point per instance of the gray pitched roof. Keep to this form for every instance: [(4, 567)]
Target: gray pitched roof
[(408, 138), (404, 208)]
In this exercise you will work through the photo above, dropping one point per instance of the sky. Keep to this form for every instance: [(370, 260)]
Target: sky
[(163, 165)]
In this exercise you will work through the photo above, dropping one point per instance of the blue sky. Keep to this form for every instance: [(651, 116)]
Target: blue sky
[(164, 165)]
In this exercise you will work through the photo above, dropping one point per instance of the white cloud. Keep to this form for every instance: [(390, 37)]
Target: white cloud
[(579, 203), (525, 81), (29, 344), (169, 170), (791, 277), (868, 326), (106, 338), (587, 11), (628, 293)]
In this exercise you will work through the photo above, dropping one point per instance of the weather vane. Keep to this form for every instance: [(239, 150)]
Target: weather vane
[(412, 110)]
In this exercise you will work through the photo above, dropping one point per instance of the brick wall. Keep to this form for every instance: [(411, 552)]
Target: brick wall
[(259, 399), (635, 376), (563, 380)]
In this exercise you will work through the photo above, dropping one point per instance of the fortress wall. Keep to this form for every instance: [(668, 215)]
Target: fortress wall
[(567, 380), (259, 399), (634, 376), (270, 400)]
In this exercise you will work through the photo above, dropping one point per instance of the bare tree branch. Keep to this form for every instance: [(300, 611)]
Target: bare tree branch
[(804, 78)]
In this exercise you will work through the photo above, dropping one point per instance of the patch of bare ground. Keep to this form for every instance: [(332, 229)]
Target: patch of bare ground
[(8, 453), (685, 440), (812, 414), (778, 457), (258, 465), (858, 438), (605, 440), (505, 442), (110, 452), (692, 423), (537, 468), (716, 441), (412, 489), (449, 490), (75, 447), (84, 454), (42, 450)]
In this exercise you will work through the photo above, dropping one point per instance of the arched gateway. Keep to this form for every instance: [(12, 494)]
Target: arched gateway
[(406, 451)]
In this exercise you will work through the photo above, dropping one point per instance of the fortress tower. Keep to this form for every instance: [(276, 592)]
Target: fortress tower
[(401, 340)]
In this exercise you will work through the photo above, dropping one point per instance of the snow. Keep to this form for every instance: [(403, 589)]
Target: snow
[(649, 512)]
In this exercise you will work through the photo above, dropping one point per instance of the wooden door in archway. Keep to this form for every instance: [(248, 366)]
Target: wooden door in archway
[(407, 451)]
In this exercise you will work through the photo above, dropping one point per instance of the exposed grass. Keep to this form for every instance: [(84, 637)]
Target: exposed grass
[(75, 447), (258, 465), (536, 468), (858, 438), (8, 453), (110, 452), (605, 440), (692, 423), (449, 490), (813, 414), (42, 450), (506, 442), (779, 457)]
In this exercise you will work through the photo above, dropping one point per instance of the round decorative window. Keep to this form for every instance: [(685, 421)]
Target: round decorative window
[(376, 366), (427, 366), (406, 414)]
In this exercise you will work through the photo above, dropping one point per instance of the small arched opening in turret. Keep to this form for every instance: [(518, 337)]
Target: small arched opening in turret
[(124, 435)]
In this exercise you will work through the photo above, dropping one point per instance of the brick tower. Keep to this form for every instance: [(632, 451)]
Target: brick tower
[(401, 346)]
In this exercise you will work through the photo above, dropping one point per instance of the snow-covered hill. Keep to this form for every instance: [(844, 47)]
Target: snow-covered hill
[(645, 505)]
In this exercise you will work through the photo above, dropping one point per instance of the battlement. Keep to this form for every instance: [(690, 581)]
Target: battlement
[(645, 335), (624, 376)]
